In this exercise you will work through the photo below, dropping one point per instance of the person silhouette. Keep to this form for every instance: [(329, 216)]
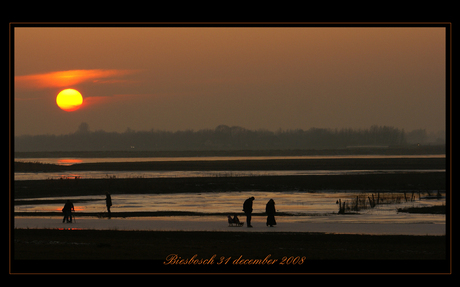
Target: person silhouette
[(247, 208), (67, 209), (108, 202), (270, 210)]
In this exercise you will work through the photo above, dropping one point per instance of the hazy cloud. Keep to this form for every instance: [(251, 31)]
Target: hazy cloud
[(61, 79)]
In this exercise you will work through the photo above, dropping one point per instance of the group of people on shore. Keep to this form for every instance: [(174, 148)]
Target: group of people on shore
[(247, 208), (269, 210), (68, 208)]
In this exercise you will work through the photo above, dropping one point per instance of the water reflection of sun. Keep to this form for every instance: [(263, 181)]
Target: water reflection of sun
[(68, 161)]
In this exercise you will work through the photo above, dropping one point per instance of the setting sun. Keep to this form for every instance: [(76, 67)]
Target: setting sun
[(69, 100)]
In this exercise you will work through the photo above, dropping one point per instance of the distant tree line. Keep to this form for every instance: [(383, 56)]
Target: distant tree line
[(222, 137)]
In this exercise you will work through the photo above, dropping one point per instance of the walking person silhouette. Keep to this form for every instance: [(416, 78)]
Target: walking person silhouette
[(108, 202)]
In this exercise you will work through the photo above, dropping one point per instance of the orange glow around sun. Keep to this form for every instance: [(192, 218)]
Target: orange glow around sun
[(69, 100)]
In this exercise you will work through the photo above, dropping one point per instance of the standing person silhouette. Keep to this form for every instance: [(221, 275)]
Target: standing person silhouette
[(270, 210), (247, 208), (108, 202), (67, 209)]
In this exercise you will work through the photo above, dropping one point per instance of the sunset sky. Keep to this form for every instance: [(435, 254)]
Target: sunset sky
[(196, 78)]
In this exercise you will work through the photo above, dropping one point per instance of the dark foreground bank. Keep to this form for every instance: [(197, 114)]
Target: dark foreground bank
[(202, 251)]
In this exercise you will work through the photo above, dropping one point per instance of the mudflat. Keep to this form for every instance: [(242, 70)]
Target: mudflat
[(387, 181), (371, 182)]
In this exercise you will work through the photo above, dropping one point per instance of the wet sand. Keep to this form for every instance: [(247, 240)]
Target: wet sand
[(425, 210), (342, 225)]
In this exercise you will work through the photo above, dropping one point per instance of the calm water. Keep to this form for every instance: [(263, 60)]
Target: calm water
[(319, 206), (70, 161), (309, 207), (169, 174)]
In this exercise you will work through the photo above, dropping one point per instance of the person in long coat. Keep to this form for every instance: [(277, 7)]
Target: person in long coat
[(270, 210)]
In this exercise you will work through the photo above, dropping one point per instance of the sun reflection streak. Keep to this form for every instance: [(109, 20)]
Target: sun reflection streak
[(68, 161)]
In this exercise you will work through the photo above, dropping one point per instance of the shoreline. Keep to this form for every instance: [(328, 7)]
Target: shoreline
[(370, 150), (437, 209), (342, 224), (149, 214), (245, 165)]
